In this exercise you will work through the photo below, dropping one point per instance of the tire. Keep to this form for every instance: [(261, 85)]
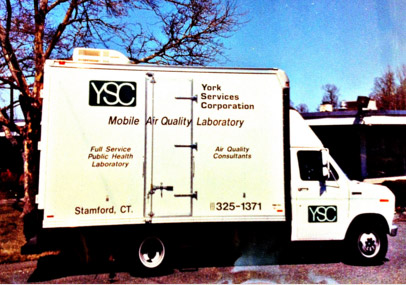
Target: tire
[(152, 256), (367, 245)]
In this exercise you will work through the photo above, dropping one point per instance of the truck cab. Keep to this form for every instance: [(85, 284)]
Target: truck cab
[(326, 205)]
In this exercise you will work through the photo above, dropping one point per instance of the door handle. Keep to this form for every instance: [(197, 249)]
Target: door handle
[(303, 189), (193, 146)]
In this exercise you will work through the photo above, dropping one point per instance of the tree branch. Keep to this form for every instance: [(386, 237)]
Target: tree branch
[(55, 4), (9, 54), (8, 125), (61, 28), (191, 31)]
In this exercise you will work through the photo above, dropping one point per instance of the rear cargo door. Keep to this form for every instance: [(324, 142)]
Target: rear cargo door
[(169, 146)]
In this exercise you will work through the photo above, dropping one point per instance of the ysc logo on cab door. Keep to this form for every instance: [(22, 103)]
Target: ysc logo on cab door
[(112, 93), (322, 214)]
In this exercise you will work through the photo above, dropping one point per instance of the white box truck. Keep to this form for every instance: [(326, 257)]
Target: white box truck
[(159, 150)]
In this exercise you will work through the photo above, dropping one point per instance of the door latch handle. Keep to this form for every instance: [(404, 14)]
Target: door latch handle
[(161, 187), (193, 98), (303, 189), (193, 195), (193, 146)]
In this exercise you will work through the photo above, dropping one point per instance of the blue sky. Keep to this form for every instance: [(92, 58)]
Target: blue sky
[(346, 43), (342, 42)]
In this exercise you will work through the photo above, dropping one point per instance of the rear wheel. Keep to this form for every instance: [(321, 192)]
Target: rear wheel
[(152, 255), (368, 245)]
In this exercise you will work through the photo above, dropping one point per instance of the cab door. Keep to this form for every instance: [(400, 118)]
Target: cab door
[(319, 202)]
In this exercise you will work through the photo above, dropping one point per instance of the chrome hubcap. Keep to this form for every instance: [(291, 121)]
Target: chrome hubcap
[(369, 244), (151, 252)]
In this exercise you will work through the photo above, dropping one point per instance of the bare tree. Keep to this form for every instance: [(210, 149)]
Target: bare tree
[(31, 31), (390, 89), (331, 95), (302, 108), (401, 88), (384, 91)]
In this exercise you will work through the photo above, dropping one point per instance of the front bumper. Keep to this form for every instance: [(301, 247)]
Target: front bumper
[(393, 230)]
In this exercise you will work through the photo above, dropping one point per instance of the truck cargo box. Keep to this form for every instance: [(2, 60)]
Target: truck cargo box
[(133, 144)]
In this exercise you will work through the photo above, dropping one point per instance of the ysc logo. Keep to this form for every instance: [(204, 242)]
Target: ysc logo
[(112, 93), (322, 214)]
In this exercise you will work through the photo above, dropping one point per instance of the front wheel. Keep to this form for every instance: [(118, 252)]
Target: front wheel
[(367, 245)]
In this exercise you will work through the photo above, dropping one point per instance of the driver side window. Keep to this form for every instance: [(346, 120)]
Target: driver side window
[(311, 166)]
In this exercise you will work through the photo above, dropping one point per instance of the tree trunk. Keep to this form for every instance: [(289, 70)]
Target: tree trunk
[(31, 167), (31, 137), (30, 214)]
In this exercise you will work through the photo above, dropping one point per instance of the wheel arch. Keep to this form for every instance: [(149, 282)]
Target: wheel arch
[(375, 220)]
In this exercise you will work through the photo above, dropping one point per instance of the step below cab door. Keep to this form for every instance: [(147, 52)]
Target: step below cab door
[(319, 196)]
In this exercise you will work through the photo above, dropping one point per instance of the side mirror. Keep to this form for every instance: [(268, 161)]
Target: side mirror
[(326, 164), (326, 172)]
